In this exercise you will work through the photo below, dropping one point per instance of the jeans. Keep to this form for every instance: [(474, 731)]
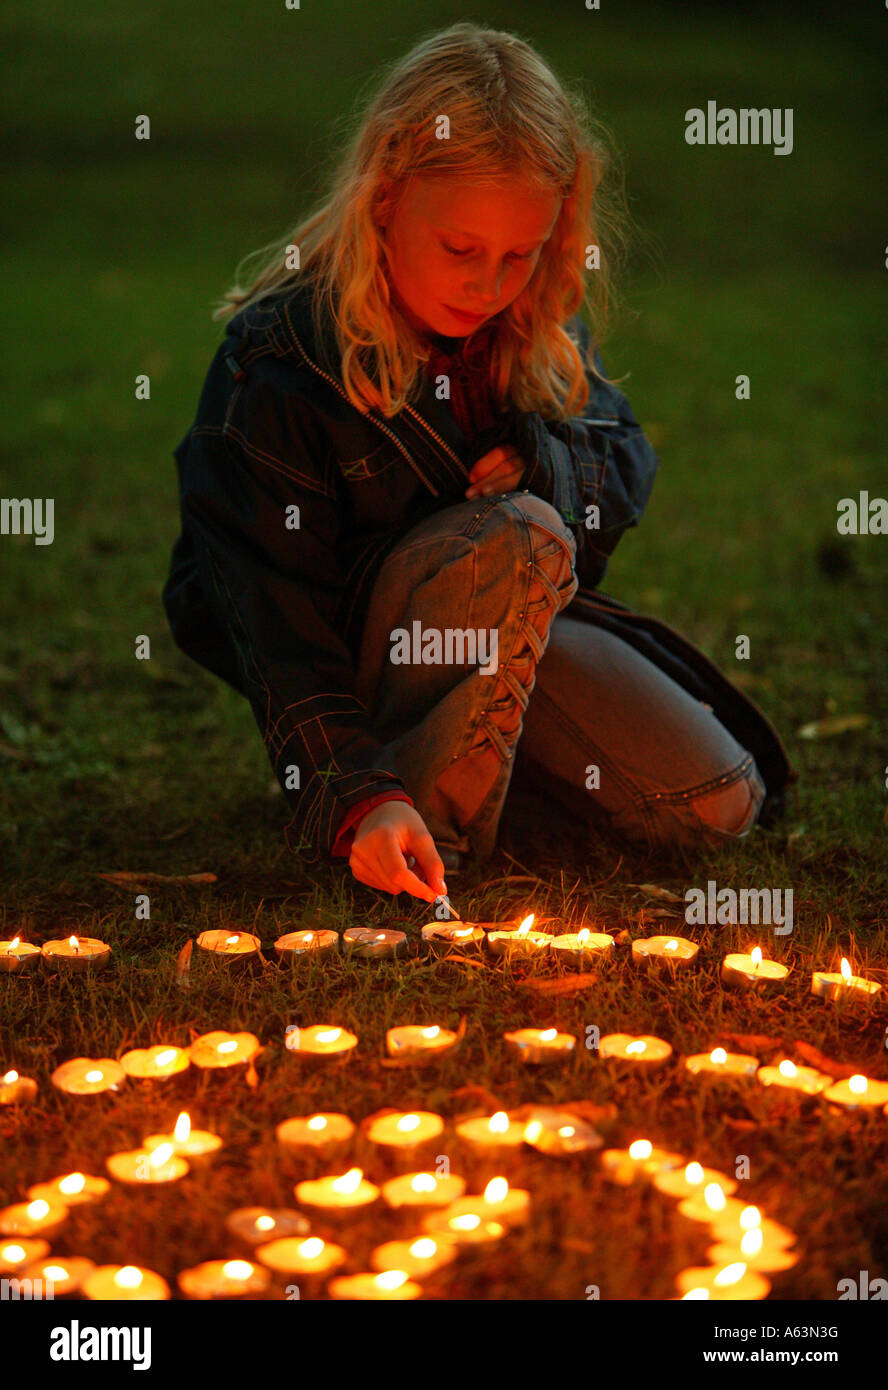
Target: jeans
[(570, 709)]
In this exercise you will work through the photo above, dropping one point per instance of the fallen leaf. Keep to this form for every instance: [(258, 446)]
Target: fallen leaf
[(653, 890), (839, 1070), (755, 1042), (465, 960), (183, 965), (126, 876), (832, 725), (562, 984)]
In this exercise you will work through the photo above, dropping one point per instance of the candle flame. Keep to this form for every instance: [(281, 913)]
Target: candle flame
[(751, 1242), (532, 1131), (788, 1068), (74, 1182), (237, 1269), (329, 1035), (462, 931), (37, 1210), (55, 1272), (857, 1084), (496, 1190), (526, 925), (128, 1277), (641, 1149), (380, 936), (731, 1274), (469, 1222), (499, 1123), (583, 936), (161, 1155), (635, 1047), (10, 1077), (165, 1058), (714, 1197), (16, 941), (431, 1032), (317, 1122), (229, 1046), (407, 1123), (310, 1249), (182, 1127), (718, 1056), (424, 1248), (73, 943), (13, 1254), (309, 936), (756, 956), (424, 1182), (548, 1035), (750, 1217), (846, 969), (694, 1174), (265, 1223), (391, 1279), (94, 1075), (232, 940), (671, 945), (349, 1182), (566, 1131), (695, 1294)]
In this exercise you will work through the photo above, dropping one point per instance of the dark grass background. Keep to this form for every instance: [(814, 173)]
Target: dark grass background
[(115, 250)]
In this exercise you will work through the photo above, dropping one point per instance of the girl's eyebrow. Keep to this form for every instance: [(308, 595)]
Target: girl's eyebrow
[(459, 232)]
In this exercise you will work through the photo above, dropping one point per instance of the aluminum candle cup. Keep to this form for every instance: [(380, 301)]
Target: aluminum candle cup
[(488, 1133), (418, 1257), (755, 1252), (668, 951), (340, 1192), (63, 1273), (298, 946), (17, 1090), (753, 972), (320, 1040), (540, 1046), (391, 1285), (367, 944), (718, 1062), (258, 1225), (582, 948), (155, 1063), (158, 1165), (323, 1133), (808, 1081), (422, 1190), (16, 1254), (74, 954), (88, 1076), (414, 1040), (730, 1230), (18, 957), (638, 1163), (560, 1133), (304, 1257), (125, 1283), (452, 938), (857, 1093), (197, 1145), (221, 1049), (731, 1283), (224, 1279), (498, 1202), (73, 1189), (404, 1129), (229, 946), (462, 1228), (844, 985), (645, 1050), (38, 1218), (519, 943), (711, 1205), (693, 1178)]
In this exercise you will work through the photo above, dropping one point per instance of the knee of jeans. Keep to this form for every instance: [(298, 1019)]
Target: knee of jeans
[(729, 812), (536, 523)]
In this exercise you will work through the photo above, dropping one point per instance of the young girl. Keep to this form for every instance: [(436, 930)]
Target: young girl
[(405, 476)]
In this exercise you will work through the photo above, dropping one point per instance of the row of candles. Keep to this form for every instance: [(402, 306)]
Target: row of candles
[(739, 970), (746, 1245)]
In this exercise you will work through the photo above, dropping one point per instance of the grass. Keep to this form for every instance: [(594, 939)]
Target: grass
[(761, 265)]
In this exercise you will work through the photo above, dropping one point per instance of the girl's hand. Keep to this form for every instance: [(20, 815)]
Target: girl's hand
[(500, 470), (383, 839)]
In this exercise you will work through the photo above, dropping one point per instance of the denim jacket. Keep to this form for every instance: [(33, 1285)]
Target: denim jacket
[(290, 499)]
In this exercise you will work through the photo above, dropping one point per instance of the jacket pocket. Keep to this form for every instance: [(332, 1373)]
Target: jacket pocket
[(370, 465)]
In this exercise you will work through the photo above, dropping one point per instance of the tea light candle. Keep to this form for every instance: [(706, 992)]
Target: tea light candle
[(17, 1090), (391, 1285), (422, 1190), (731, 1282), (64, 1273), (486, 1133), (323, 1133), (752, 972), (76, 953), (224, 1279), (88, 1076), (221, 1049), (672, 951), (693, 1178), (625, 1047), (368, 944), (718, 1062), (807, 1080), (444, 938), (558, 1132), (639, 1162), (538, 1046), (414, 1040), (419, 1257), (321, 1040), (18, 957), (731, 1229), (404, 1130), (711, 1205), (256, 1225), (197, 1145), (222, 944), (155, 1063), (32, 1218), (462, 1227), (296, 946), (344, 1192), (288, 1256), (578, 948), (125, 1284), (842, 985), (15, 1254), (498, 1202), (857, 1093), (158, 1165), (522, 942), (73, 1189), (755, 1252)]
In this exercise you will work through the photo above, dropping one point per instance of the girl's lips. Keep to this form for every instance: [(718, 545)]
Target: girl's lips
[(469, 318)]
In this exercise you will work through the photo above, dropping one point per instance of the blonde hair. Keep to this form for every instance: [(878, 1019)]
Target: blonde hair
[(509, 115)]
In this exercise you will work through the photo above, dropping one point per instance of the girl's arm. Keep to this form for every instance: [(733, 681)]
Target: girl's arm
[(600, 460)]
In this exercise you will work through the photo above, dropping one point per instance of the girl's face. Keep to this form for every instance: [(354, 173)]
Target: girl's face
[(457, 248)]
